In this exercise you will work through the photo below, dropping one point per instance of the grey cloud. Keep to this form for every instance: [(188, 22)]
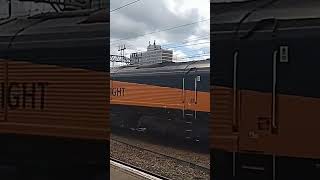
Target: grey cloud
[(149, 15)]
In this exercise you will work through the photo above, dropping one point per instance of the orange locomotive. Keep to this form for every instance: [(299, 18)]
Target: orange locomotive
[(170, 99), (53, 89), (265, 101)]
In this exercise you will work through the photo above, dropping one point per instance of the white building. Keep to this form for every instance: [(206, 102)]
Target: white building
[(154, 54)]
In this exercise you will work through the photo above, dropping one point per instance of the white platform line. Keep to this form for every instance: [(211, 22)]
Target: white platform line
[(134, 171)]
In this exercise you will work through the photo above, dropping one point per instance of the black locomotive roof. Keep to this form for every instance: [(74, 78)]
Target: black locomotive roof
[(257, 10), (252, 19), (36, 29), (162, 67), (73, 39)]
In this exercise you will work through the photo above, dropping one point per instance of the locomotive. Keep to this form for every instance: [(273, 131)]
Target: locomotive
[(265, 99), (170, 99), (54, 85)]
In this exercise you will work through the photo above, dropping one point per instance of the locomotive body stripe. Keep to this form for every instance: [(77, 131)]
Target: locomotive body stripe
[(295, 114), (51, 100), (135, 94)]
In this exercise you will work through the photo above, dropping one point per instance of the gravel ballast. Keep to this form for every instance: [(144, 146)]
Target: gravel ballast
[(156, 162)]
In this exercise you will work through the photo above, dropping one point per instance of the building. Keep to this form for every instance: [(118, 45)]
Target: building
[(154, 54)]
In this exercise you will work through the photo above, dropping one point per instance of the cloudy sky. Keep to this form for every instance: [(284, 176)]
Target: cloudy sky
[(129, 24)]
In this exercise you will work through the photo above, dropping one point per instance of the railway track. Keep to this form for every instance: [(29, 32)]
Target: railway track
[(135, 170), (194, 165), (200, 147)]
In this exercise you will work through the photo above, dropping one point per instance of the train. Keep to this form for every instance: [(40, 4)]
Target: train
[(54, 119), (265, 98), (170, 99)]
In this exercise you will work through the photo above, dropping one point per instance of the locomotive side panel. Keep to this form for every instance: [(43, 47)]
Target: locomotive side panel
[(276, 98), (223, 122), (54, 94), (158, 101), (296, 102), (249, 110), (52, 100)]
